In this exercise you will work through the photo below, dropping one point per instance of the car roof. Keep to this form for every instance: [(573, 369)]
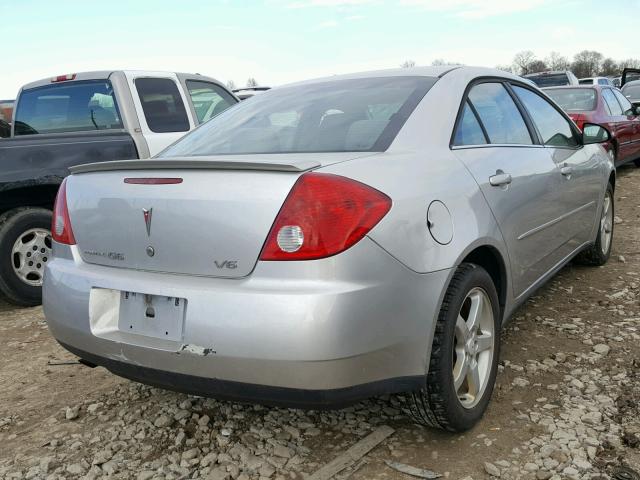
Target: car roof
[(550, 72), (431, 72), (104, 74), (574, 87)]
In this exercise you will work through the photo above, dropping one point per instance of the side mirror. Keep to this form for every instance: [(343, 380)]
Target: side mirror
[(593, 133)]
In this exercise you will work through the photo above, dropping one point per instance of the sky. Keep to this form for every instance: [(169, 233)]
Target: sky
[(281, 41)]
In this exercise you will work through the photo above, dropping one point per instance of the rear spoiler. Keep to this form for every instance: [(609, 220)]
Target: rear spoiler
[(194, 164), (626, 71)]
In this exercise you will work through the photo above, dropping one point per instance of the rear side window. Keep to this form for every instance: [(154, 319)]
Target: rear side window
[(162, 105), (603, 81), (469, 131), (612, 103), (68, 107), (499, 115), (554, 129), (624, 103), (208, 99)]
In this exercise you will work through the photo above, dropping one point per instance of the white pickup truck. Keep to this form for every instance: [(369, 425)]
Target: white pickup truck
[(81, 118)]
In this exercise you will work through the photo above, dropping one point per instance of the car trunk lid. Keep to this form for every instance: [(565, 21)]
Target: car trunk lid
[(209, 218)]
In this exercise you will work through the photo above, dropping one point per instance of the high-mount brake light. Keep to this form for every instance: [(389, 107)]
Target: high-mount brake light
[(61, 230), (323, 215), (63, 78), (152, 180)]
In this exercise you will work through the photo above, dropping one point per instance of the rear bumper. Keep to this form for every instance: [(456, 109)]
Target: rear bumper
[(248, 392), (316, 333)]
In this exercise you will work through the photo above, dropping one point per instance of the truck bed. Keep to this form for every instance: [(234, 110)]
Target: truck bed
[(45, 159)]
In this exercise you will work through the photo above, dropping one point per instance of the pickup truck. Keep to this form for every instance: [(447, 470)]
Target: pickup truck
[(81, 118)]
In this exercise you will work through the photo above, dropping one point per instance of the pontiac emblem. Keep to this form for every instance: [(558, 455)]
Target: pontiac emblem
[(147, 219)]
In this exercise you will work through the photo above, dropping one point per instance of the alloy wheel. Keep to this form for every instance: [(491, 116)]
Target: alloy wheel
[(474, 347), (606, 224)]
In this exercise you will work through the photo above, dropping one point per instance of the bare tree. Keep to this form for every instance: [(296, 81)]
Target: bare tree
[(538, 66), (609, 68), (630, 63), (522, 60), (586, 63), (555, 61), (231, 85), (252, 82), (505, 68), (408, 64), (439, 62)]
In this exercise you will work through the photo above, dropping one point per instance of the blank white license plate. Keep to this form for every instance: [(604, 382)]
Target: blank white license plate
[(151, 315)]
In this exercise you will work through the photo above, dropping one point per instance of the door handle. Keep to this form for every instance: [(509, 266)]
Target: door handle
[(566, 171), (500, 179)]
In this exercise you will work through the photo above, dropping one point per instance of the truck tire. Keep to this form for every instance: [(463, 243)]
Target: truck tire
[(25, 248)]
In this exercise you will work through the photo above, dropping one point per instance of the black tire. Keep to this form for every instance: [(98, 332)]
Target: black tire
[(437, 405), (594, 255), (637, 162), (13, 224)]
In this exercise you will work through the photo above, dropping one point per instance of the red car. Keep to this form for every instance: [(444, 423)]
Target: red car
[(605, 106)]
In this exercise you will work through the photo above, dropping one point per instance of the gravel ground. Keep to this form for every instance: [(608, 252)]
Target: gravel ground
[(566, 405)]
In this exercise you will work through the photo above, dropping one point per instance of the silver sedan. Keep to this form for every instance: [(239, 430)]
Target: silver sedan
[(332, 240)]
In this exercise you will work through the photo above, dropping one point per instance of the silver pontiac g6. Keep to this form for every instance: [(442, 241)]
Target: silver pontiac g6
[(332, 240)]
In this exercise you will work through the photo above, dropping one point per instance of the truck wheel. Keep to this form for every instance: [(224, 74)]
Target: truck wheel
[(464, 354), (25, 248)]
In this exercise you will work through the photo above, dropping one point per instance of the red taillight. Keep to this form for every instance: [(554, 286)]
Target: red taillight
[(61, 230), (579, 119), (63, 78), (323, 215)]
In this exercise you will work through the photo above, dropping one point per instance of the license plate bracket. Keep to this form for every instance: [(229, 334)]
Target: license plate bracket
[(154, 316)]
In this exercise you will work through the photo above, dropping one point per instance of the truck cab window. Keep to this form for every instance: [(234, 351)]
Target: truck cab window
[(68, 107), (208, 99), (162, 105)]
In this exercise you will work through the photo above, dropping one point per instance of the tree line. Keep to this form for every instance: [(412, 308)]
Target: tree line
[(587, 63)]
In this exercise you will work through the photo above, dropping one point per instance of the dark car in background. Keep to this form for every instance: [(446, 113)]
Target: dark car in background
[(608, 107), (631, 91), (553, 79)]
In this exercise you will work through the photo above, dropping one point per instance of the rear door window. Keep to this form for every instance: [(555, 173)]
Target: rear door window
[(554, 129), (68, 107), (499, 114), (627, 108), (469, 131), (612, 103), (208, 99), (162, 105)]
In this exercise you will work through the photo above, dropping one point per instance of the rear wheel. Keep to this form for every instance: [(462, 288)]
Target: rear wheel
[(25, 249), (637, 162), (599, 253), (464, 356)]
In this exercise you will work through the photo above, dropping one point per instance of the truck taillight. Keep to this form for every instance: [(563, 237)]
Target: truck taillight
[(322, 216), (63, 78), (61, 230)]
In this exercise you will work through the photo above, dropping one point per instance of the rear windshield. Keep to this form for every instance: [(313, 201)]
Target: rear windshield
[(554, 80), (632, 92), (67, 107), (335, 116), (574, 99)]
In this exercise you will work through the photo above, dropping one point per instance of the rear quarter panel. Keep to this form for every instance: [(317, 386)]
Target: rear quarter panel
[(418, 168)]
